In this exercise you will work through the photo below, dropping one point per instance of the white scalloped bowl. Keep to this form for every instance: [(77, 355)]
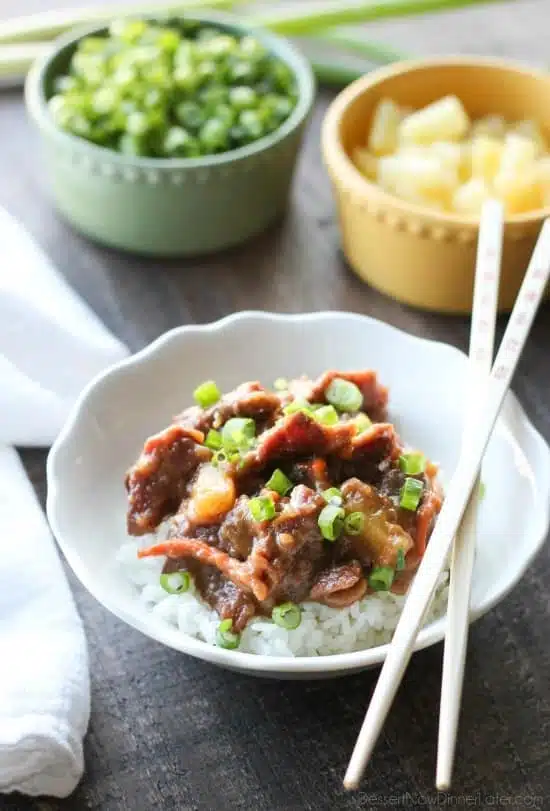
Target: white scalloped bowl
[(118, 410)]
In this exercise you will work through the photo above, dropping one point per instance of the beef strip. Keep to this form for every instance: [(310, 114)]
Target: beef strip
[(419, 524), (311, 472), (381, 536), (375, 396), (299, 434), (159, 479), (230, 601), (337, 582), (221, 594), (247, 400), (296, 548), (372, 452), (238, 530)]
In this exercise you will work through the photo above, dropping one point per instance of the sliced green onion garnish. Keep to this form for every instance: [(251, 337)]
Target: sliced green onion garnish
[(411, 493), (344, 395), (400, 565), (381, 578), (281, 384), (412, 463), (331, 522), (225, 637), (354, 523), (287, 615), (327, 415), (238, 433), (298, 405), (213, 440), (362, 422), (262, 508), (220, 457), (332, 496), (175, 582), (279, 482), (207, 394)]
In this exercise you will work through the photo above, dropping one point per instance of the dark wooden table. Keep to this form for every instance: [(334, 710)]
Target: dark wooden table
[(168, 732)]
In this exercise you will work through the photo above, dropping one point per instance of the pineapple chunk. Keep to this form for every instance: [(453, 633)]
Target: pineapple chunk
[(519, 191), (468, 199), (492, 125), (543, 175), (485, 155), (365, 162), (417, 177), (383, 133), (437, 157), (518, 153), (449, 153), (444, 120), (531, 130), (465, 168)]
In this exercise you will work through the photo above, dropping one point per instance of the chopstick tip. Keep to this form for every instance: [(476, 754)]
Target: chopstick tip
[(350, 785)]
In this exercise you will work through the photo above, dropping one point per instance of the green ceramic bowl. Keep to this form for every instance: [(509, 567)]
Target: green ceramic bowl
[(173, 206)]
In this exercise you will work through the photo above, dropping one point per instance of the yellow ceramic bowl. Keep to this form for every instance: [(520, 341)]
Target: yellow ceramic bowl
[(423, 257)]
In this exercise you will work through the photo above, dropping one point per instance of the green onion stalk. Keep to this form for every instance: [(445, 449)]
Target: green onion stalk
[(307, 18), (310, 19), (15, 60), (44, 26)]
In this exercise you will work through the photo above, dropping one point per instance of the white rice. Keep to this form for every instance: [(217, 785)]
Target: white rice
[(322, 631)]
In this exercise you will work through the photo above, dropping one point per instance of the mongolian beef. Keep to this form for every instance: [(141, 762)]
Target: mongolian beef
[(268, 499)]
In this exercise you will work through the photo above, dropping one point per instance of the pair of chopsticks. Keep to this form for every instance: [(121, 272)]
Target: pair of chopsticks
[(488, 387)]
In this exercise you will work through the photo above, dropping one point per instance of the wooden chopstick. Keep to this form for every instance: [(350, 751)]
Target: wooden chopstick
[(454, 506), (482, 336)]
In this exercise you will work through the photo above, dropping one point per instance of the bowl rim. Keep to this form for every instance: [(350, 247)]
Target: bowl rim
[(234, 659), (36, 100), (341, 167)]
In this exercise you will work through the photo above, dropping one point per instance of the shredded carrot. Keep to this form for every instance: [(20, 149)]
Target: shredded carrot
[(250, 574), (320, 472), (430, 507), (172, 549)]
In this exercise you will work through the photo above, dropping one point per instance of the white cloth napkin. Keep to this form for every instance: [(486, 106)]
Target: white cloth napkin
[(51, 344)]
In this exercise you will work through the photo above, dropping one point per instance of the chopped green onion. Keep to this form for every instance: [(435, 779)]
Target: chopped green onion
[(354, 523), (262, 508), (344, 395), (298, 405), (207, 394), (220, 457), (171, 88), (281, 384), (362, 422), (412, 463), (225, 637), (482, 490), (411, 493), (287, 615), (332, 496), (213, 440), (331, 522), (381, 578), (326, 415), (238, 433), (400, 565), (175, 582), (279, 482)]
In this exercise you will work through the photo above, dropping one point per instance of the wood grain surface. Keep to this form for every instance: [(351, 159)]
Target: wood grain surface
[(168, 732)]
